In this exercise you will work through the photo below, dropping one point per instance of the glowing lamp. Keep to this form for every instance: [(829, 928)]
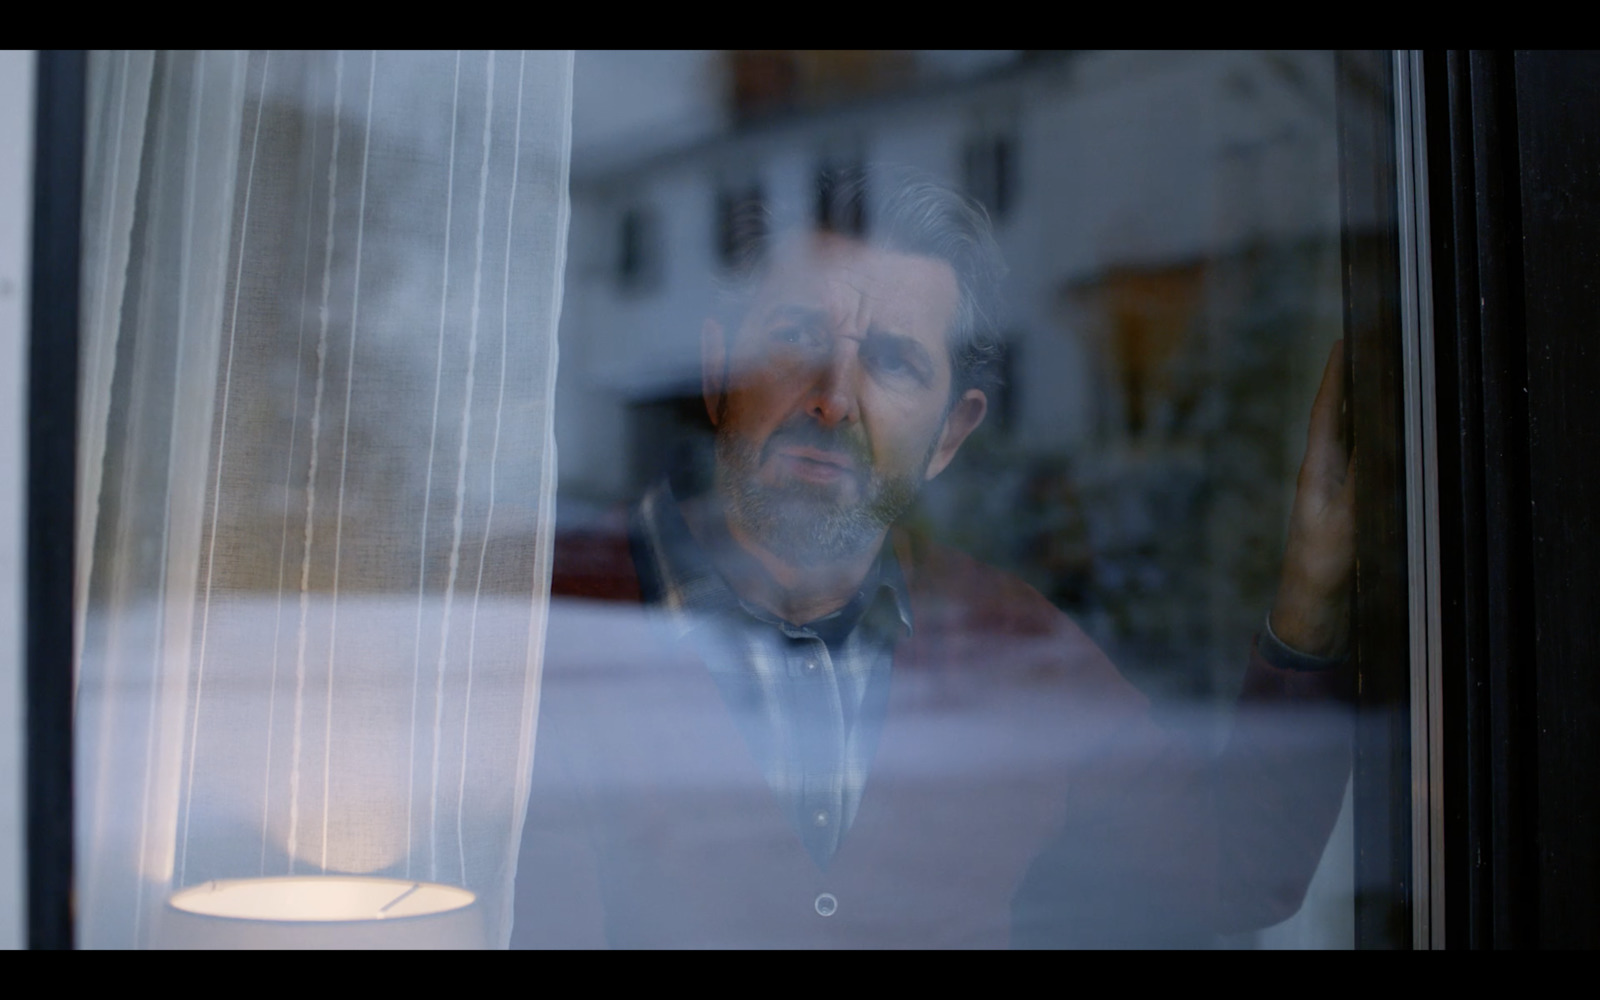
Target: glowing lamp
[(322, 911)]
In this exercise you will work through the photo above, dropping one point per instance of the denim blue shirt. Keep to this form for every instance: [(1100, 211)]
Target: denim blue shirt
[(809, 698)]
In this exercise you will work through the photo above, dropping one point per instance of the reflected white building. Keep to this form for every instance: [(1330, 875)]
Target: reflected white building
[(1171, 223)]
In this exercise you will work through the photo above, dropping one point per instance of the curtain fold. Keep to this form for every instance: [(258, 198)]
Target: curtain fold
[(119, 98), (317, 467)]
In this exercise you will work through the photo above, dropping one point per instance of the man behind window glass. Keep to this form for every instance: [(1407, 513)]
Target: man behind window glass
[(816, 730)]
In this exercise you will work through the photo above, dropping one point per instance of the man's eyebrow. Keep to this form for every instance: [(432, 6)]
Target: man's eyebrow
[(809, 315), (812, 316)]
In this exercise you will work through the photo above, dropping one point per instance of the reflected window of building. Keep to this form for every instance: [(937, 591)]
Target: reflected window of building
[(741, 225), (841, 198), (988, 166), (639, 260)]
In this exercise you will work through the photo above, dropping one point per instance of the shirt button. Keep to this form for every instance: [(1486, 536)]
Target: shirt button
[(811, 666), (820, 817), (826, 904)]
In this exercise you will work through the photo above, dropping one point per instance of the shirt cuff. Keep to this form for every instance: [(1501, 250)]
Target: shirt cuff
[(1284, 657)]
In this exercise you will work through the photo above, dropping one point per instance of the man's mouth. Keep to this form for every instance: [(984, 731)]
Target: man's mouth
[(818, 456), (815, 464), (812, 454)]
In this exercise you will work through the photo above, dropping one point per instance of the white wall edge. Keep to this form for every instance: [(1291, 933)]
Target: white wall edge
[(17, 75)]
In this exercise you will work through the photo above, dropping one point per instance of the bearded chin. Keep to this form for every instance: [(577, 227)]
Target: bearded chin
[(805, 524)]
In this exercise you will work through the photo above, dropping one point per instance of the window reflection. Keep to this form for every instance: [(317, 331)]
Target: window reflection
[(896, 609)]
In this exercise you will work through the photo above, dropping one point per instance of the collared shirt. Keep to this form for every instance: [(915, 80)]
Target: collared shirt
[(809, 698)]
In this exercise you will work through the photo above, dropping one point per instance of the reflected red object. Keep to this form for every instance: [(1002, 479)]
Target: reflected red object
[(594, 563)]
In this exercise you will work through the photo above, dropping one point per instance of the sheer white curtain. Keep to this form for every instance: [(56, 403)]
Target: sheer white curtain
[(320, 296)]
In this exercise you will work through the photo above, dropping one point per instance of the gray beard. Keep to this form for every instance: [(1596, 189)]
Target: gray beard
[(804, 523)]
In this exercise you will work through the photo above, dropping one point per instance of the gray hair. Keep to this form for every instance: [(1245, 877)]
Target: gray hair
[(919, 216)]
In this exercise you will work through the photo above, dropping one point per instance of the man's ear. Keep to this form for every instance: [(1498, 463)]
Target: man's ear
[(963, 418), (713, 367)]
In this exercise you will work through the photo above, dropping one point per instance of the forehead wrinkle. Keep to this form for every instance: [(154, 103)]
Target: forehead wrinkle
[(874, 312), (857, 283), (797, 311), (832, 269)]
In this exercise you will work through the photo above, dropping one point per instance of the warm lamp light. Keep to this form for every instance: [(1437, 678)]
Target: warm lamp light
[(322, 911)]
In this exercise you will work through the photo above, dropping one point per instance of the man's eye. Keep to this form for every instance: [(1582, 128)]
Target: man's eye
[(795, 336), (888, 359)]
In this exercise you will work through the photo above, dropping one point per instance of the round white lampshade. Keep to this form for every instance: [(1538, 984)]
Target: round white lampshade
[(322, 911)]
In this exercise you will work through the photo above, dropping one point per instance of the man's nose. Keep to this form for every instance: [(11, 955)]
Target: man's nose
[(833, 390)]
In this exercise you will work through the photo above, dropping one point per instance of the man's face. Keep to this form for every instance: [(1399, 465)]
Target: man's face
[(832, 400)]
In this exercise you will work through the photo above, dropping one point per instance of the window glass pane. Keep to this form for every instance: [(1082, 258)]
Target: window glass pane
[(918, 532), (979, 516)]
